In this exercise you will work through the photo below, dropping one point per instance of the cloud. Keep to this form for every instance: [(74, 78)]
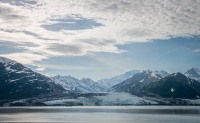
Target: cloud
[(40, 69), (19, 2), (79, 27), (7, 13), (67, 67), (65, 49), (7, 47), (71, 24), (25, 58)]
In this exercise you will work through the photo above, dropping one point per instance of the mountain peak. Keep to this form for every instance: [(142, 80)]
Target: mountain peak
[(160, 73), (156, 74), (18, 82), (178, 75), (137, 82), (5, 60), (109, 82), (71, 84), (176, 85), (64, 78), (195, 69), (147, 71), (86, 79), (193, 73), (120, 78)]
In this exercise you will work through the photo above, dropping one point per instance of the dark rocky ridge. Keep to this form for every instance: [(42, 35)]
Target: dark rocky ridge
[(18, 82)]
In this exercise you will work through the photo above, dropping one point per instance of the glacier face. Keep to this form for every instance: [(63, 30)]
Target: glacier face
[(106, 99)]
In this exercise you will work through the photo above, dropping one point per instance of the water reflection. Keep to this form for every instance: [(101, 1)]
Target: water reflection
[(104, 114)]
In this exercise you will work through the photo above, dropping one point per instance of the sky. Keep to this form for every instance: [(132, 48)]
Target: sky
[(101, 38)]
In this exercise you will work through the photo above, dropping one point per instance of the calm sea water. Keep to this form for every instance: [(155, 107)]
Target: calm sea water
[(102, 114)]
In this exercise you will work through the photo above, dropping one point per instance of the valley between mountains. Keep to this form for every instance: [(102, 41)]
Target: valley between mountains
[(20, 86)]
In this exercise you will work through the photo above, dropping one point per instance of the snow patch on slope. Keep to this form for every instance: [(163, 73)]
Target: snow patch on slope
[(71, 84)]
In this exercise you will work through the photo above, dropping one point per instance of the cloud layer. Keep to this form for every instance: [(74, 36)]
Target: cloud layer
[(46, 28)]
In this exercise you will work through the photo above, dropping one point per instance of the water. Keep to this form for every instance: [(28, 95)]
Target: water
[(102, 114)]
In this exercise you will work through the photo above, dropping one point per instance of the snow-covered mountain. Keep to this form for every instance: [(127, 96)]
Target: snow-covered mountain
[(117, 79), (193, 73), (137, 82), (162, 73), (149, 83), (18, 81), (176, 85), (92, 86), (120, 78), (71, 84)]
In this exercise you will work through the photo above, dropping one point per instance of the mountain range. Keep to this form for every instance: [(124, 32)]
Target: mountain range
[(137, 82), (176, 85), (20, 82), (84, 85), (109, 82), (147, 83)]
